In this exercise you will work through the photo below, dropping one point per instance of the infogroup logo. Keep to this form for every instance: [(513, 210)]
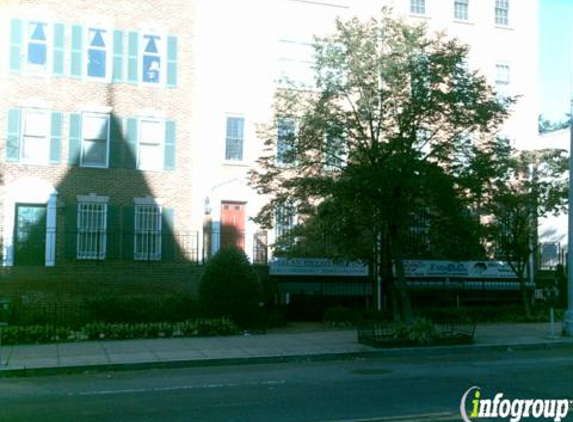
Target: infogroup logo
[(473, 406)]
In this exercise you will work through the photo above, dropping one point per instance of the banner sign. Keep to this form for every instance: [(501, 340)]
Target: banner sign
[(317, 267), (458, 269)]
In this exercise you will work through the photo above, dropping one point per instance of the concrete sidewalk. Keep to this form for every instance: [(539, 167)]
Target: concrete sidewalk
[(294, 343)]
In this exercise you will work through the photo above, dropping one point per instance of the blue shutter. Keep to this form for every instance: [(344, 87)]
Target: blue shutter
[(77, 52), (116, 142), (117, 56), (112, 234), (75, 139), (168, 239), (58, 67), (171, 61), (128, 232), (16, 39), (56, 138), (169, 158), (13, 138), (130, 156), (71, 231), (132, 57)]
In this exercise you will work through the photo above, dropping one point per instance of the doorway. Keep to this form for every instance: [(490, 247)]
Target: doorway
[(30, 234)]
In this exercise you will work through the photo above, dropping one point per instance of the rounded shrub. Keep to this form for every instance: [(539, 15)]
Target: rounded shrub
[(229, 288)]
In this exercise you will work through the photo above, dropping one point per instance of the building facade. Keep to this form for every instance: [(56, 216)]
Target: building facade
[(243, 59), (96, 164), (130, 128)]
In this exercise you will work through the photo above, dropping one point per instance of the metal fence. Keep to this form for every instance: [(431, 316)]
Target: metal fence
[(29, 247)]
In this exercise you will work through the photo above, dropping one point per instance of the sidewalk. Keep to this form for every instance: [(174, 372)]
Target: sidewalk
[(300, 342)]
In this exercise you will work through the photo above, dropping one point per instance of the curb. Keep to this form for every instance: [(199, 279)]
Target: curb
[(265, 360)]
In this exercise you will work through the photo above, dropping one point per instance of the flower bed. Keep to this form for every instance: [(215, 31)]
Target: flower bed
[(421, 333)]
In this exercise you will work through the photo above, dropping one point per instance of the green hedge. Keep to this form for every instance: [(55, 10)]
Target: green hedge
[(35, 334)]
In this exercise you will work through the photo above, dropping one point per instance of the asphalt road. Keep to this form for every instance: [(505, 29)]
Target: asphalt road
[(367, 390)]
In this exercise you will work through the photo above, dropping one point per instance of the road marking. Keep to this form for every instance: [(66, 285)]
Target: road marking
[(422, 417), (176, 388)]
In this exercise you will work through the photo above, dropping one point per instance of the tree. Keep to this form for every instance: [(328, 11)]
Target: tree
[(229, 287), (530, 185), (391, 122)]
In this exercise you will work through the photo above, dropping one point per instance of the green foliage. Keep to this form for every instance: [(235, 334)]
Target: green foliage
[(141, 308), (229, 288), (34, 334), (422, 332), (394, 123)]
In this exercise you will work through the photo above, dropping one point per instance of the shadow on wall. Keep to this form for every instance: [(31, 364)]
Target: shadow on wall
[(106, 209)]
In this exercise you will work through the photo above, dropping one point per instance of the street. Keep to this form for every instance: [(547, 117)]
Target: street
[(409, 388)]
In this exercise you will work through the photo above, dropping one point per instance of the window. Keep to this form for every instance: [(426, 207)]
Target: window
[(98, 53), (95, 140), (284, 219), (151, 59), (335, 151), (147, 242), (35, 143), (502, 12), (91, 236), (418, 7), (285, 141), (234, 139), (296, 62), (37, 46), (151, 144), (502, 79), (461, 9)]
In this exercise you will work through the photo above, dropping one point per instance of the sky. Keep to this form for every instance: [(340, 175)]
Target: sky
[(556, 57)]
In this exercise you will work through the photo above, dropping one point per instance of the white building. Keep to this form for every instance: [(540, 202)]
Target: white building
[(245, 48)]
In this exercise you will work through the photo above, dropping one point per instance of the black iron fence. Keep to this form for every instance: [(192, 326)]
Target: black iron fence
[(32, 248)]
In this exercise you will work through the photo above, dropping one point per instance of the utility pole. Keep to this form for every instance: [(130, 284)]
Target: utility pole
[(568, 320)]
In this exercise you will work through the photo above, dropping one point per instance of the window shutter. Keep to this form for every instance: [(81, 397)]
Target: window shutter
[(132, 57), (56, 138), (117, 56), (128, 232), (169, 159), (113, 236), (116, 142), (75, 139), (130, 157), (168, 239), (71, 231), (13, 137), (58, 67), (77, 52), (171, 61), (16, 39)]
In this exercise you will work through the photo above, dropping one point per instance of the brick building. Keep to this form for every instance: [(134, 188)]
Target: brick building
[(96, 158)]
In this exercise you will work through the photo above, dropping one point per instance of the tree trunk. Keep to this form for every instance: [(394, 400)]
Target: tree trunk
[(525, 297), (400, 281)]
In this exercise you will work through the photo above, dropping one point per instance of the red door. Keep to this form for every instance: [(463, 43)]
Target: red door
[(233, 224)]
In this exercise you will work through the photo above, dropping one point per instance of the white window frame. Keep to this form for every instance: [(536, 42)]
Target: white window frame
[(502, 74), (160, 145), (36, 69), (281, 162), (47, 116), (502, 12), (230, 139), (162, 54), (418, 7), (282, 213), (108, 39), (92, 236), (85, 116), (461, 10), (146, 234), (291, 58)]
